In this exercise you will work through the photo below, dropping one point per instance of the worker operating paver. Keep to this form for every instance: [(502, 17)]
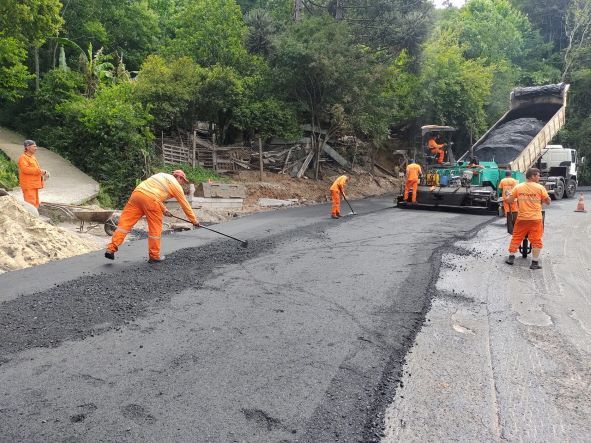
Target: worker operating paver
[(529, 196), (147, 199), (336, 189), (30, 175)]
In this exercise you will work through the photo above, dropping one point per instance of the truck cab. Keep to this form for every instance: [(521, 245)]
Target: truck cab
[(559, 168)]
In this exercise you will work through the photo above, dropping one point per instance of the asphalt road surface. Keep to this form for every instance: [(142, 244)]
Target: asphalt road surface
[(300, 337), (505, 352)]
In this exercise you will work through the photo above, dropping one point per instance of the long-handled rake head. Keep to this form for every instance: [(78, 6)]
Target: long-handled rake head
[(243, 243)]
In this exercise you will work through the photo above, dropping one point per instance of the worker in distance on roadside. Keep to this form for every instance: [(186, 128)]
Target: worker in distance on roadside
[(436, 148), (336, 190), (506, 185), (530, 221), (30, 175), (413, 173), (148, 199)]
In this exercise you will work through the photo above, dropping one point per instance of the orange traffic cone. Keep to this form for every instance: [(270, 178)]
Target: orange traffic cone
[(581, 204)]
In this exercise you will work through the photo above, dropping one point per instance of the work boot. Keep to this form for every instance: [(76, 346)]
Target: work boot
[(534, 265), (510, 260), (334, 216), (157, 260), (110, 255)]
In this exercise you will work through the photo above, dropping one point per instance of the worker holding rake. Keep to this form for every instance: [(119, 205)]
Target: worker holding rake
[(336, 189), (148, 199)]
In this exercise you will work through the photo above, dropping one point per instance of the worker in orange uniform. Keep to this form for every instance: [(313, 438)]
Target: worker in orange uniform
[(413, 172), (30, 175), (147, 199), (530, 221), (336, 189), (436, 149), (506, 185)]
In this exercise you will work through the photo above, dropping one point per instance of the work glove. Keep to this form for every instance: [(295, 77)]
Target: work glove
[(167, 213), (196, 224)]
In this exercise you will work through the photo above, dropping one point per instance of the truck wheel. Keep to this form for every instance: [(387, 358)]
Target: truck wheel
[(571, 189), (558, 191)]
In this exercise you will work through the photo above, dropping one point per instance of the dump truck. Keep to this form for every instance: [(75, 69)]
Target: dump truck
[(516, 142)]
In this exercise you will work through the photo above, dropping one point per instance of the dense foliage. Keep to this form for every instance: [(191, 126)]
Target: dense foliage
[(95, 79)]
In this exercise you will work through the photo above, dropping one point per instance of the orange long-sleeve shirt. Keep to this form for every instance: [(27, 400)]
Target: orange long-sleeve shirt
[(413, 171), (164, 186), (29, 173), (339, 184), (434, 145)]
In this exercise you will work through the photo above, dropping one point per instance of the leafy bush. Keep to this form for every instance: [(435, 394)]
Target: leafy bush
[(8, 172), (108, 137)]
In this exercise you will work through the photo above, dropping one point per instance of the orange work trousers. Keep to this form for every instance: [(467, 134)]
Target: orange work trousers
[(534, 229), (439, 153), (411, 184), (138, 205), (31, 196), (336, 203)]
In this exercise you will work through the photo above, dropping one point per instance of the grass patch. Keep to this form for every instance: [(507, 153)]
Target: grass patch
[(195, 174), (8, 172)]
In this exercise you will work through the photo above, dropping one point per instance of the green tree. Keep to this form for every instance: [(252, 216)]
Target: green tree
[(211, 32), (455, 89), (14, 74)]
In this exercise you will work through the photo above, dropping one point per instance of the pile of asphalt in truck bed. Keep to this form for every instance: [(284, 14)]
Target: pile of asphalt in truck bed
[(507, 141)]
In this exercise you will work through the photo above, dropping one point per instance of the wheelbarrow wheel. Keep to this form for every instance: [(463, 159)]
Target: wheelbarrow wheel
[(525, 248), (111, 224)]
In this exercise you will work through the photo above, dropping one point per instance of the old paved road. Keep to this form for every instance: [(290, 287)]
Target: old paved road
[(300, 337)]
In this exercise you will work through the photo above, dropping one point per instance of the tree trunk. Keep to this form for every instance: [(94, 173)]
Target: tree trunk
[(37, 68), (261, 158), (297, 12)]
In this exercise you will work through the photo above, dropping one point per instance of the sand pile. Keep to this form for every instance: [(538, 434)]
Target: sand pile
[(27, 241)]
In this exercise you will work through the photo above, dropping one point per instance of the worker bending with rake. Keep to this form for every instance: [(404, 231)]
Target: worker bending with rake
[(506, 185), (530, 221), (413, 172), (336, 189), (148, 199)]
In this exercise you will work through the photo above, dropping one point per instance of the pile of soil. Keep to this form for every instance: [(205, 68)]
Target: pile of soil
[(28, 241), (308, 191)]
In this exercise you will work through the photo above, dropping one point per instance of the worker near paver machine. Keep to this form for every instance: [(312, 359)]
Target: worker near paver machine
[(436, 148), (530, 220), (336, 189), (148, 199), (30, 174), (506, 185), (413, 172)]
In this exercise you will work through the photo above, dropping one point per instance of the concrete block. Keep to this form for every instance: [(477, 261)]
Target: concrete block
[(220, 190), (210, 203)]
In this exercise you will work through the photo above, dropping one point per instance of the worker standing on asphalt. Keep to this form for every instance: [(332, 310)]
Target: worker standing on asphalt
[(530, 221), (336, 189), (436, 149), (147, 199), (506, 185), (413, 172), (30, 175)]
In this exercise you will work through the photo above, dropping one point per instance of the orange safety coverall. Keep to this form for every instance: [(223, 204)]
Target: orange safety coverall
[(147, 199), (336, 189), (506, 186), (30, 177), (529, 222), (436, 149), (412, 181)]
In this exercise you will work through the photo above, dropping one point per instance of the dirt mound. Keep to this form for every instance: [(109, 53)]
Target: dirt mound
[(27, 241)]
